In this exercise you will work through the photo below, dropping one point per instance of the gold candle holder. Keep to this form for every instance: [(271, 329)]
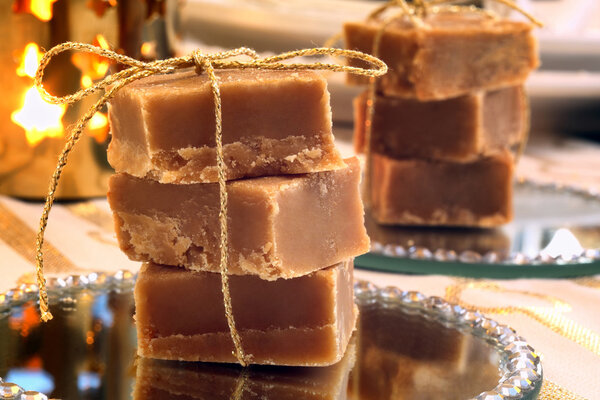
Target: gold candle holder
[(32, 132)]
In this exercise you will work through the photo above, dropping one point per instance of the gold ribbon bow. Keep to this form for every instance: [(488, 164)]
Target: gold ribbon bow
[(207, 63), (420, 8)]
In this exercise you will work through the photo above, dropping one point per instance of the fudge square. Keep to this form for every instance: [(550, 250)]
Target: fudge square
[(457, 129), (173, 380), (427, 192), (274, 122), (453, 54), (305, 321), (278, 226)]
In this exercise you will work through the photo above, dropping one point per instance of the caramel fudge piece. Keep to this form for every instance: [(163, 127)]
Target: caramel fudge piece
[(274, 122), (458, 129), (305, 321), (166, 380), (278, 226), (423, 192), (452, 54)]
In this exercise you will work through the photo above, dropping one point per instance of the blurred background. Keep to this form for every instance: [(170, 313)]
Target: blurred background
[(564, 92)]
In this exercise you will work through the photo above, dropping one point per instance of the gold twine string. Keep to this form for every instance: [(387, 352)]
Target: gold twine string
[(204, 63), (402, 4), (520, 150), (371, 97), (240, 385), (507, 3), (589, 281), (553, 391), (421, 8)]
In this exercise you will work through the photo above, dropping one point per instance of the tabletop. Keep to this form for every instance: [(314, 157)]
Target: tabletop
[(559, 317)]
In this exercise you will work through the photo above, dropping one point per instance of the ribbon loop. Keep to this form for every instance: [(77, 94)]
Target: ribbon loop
[(420, 8)]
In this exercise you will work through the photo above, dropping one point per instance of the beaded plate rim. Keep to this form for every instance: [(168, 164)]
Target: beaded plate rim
[(441, 255), (520, 363)]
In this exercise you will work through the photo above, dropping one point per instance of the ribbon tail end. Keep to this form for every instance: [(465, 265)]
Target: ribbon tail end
[(46, 316)]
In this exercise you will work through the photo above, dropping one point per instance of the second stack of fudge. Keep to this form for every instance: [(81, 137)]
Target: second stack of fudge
[(448, 117), (295, 216)]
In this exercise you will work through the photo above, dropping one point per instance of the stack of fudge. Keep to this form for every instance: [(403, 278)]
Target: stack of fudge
[(448, 117), (295, 216)]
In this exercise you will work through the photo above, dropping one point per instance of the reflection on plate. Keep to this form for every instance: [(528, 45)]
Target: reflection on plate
[(172, 380), (556, 232), (407, 346)]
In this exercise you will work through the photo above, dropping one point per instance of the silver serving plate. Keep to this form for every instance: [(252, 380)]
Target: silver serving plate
[(555, 233), (420, 346)]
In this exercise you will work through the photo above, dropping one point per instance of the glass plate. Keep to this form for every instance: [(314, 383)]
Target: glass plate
[(555, 233), (407, 346)]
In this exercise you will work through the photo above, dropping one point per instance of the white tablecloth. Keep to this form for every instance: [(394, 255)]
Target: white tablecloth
[(559, 317)]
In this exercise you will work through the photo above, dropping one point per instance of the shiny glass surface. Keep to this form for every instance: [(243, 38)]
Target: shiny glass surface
[(404, 348), (555, 232)]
